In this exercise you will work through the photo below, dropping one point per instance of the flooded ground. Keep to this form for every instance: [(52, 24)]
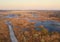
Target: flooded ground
[(32, 27), (49, 24)]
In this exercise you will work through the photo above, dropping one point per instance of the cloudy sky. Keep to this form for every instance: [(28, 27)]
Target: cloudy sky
[(30, 4)]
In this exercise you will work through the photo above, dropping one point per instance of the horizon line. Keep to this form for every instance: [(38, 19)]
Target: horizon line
[(26, 10)]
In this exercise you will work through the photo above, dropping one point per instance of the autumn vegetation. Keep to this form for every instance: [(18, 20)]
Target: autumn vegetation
[(26, 31)]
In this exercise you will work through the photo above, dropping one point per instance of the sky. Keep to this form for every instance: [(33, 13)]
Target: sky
[(29, 4)]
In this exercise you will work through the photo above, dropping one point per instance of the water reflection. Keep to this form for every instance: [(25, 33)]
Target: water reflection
[(49, 24), (11, 16)]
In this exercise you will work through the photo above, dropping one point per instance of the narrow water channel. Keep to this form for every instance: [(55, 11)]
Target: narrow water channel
[(12, 35)]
